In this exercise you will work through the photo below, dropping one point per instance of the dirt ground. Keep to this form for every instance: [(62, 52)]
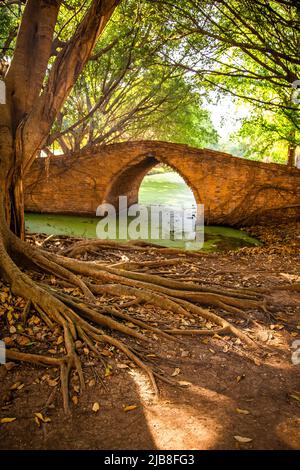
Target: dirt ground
[(227, 396)]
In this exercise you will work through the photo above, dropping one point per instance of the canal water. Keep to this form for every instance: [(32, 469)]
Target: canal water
[(163, 190)]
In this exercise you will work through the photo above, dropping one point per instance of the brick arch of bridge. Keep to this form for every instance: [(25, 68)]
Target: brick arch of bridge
[(128, 180), (234, 191)]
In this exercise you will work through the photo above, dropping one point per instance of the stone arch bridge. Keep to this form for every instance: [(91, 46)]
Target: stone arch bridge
[(233, 190)]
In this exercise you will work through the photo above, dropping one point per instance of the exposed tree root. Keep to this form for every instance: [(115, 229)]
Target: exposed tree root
[(198, 332), (84, 318), (133, 245)]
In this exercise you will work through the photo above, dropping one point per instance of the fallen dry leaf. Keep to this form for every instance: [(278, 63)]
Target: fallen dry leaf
[(9, 317), (23, 340), (184, 353), (243, 412), (8, 340), (184, 383), (37, 421), (129, 407), (295, 397), (176, 372), (52, 383), (75, 400), (7, 420), (107, 353), (243, 440), (240, 377), (40, 417), (122, 366), (15, 386), (108, 370), (96, 407)]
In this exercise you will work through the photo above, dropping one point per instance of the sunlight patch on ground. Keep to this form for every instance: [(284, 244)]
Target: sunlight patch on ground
[(179, 426)]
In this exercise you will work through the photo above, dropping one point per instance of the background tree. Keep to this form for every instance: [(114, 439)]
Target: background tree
[(124, 93), (266, 136), (247, 49)]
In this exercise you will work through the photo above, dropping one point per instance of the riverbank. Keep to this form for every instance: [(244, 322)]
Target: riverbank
[(226, 389)]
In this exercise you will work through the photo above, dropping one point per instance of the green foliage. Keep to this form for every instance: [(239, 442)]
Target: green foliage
[(157, 59), (250, 50), (193, 126), (9, 22), (125, 92), (266, 137)]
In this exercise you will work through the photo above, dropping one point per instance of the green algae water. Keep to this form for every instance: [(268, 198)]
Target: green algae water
[(164, 189)]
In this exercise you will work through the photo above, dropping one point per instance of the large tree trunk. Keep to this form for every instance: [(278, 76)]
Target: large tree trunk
[(11, 176), (16, 204), (24, 80), (9, 181)]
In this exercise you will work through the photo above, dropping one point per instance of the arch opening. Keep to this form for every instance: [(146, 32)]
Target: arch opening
[(162, 185), (137, 180), (163, 190), (159, 197)]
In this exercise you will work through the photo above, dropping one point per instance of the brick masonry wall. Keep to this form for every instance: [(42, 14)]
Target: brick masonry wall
[(234, 191)]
